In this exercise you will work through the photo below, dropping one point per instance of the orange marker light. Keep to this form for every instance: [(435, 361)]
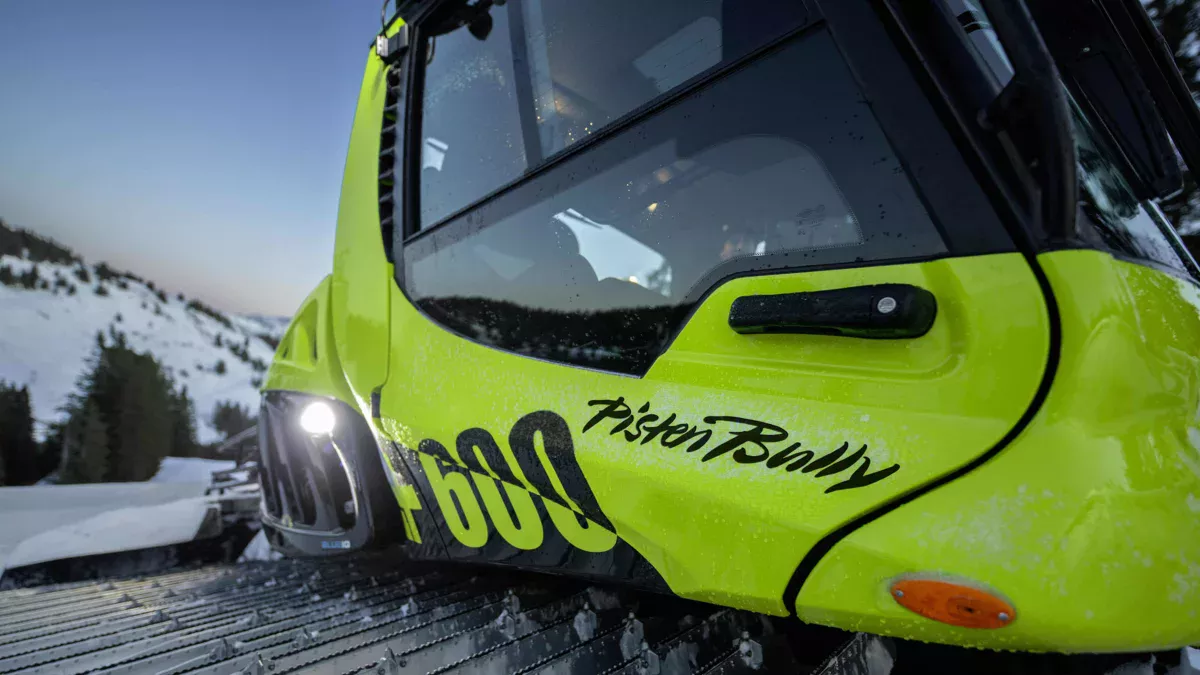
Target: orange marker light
[(952, 603)]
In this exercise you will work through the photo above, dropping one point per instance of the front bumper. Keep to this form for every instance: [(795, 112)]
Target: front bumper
[(322, 494)]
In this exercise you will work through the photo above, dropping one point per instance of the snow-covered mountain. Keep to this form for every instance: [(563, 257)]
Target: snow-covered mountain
[(47, 333)]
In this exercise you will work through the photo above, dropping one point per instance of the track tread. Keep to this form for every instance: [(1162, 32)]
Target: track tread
[(359, 614)]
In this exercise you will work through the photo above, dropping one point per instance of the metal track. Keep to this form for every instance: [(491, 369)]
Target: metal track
[(370, 615)]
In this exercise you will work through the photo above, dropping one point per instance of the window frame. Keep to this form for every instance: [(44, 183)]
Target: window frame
[(974, 53)]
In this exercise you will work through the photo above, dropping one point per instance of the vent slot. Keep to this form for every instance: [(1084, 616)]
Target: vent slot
[(389, 139)]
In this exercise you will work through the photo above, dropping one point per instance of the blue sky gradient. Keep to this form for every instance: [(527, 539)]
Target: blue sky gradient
[(198, 144)]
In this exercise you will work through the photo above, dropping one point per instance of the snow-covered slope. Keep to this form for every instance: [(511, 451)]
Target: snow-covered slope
[(275, 325), (46, 336)]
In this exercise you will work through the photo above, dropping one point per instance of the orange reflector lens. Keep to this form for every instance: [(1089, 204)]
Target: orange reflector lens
[(952, 603)]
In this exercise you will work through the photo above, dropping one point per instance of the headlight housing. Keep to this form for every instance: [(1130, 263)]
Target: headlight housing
[(318, 419), (323, 484)]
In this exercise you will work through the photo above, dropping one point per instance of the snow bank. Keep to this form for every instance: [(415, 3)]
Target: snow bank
[(31, 511), (40, 523), (190, 470), (61, 521)]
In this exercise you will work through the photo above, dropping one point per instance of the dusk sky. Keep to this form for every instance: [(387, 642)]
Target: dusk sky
[(197, 144)]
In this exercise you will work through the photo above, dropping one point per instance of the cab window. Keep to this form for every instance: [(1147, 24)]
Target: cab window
[(550, 73), (777, 164)]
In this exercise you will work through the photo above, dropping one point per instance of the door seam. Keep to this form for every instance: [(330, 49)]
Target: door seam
[(791, 592)]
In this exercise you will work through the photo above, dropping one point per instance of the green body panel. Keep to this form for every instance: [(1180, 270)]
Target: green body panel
[(362, 275), (732, 530), (1090, 521), (306, 359)]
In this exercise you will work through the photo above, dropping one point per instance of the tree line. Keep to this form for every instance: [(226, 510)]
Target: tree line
[(21, 243), (124, 417)]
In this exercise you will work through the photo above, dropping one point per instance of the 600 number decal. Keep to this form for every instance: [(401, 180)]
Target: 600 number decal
[(467, 485)]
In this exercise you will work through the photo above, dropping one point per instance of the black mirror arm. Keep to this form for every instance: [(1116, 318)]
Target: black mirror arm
[(1034, 105)]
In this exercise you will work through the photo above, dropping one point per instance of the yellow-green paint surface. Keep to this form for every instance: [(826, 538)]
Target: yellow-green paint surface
[(1090, 521), (729, 532), (362, 276), (306, 359)]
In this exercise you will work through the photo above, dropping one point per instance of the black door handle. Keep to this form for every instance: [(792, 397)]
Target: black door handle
[(883, 311)]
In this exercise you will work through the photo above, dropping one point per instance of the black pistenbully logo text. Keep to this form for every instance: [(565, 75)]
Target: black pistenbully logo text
[(749, 441)]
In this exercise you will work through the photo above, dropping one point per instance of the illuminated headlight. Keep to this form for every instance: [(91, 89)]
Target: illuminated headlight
[(318, 418)]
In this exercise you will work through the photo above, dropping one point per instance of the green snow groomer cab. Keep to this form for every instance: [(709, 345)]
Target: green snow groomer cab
[(859, 311)]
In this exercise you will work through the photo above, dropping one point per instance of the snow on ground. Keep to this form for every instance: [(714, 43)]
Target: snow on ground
[(48, 522), (117, 530), (259, 549), (29, 512), (189, 470), (47, 339)]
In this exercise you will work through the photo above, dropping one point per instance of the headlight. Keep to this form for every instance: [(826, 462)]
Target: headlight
[(318, 418)]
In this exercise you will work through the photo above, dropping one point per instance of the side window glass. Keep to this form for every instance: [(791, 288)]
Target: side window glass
[(471, 132), (597, 261), (549, 73)]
